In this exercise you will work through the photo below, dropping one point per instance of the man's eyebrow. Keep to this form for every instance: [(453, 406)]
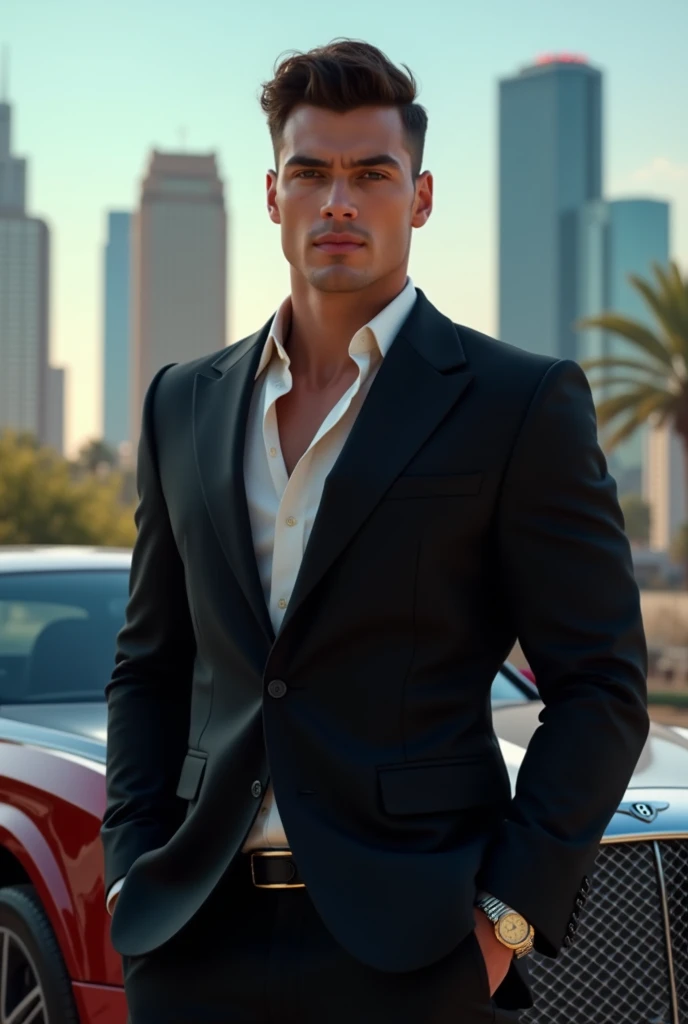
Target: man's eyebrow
[(382, 159), (379, 160)]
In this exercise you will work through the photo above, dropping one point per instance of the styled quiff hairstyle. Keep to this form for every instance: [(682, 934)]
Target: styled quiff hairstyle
[(342, 76)]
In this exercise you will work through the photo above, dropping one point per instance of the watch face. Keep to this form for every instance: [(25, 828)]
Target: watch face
[(513, 929)]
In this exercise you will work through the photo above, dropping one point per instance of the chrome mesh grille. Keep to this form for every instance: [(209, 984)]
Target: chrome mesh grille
[(675, 865), (616, 971)]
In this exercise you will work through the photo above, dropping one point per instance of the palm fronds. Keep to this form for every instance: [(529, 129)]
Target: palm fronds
[(656, 389)]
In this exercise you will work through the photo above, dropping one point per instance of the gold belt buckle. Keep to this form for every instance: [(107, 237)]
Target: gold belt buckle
[(273, 885)]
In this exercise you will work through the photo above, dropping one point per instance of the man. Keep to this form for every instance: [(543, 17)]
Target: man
[(346, 520)]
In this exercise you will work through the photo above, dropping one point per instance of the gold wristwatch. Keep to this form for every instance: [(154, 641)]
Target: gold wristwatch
[(510, 927)]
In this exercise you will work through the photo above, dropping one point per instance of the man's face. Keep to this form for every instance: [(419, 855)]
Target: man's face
[(345, 196)]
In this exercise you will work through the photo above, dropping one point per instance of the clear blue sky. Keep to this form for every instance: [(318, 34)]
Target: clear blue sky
[(95, 86)]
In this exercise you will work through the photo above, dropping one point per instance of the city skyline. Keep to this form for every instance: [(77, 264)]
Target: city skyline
[(88, 160)]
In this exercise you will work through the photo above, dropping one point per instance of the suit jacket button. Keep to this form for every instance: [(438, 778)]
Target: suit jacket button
[(256, 788), (277, 688)]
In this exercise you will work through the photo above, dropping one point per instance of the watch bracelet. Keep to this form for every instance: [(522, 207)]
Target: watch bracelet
[(493, 907)]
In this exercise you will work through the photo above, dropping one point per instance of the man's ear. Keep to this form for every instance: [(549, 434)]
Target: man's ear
[(422, 203), (271, 195)]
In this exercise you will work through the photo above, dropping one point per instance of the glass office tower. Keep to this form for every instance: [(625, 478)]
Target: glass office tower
[(550, 164), (117, 330), (619, 238), (24, 297)]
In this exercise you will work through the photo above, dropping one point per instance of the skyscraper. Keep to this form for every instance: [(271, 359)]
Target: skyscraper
[(24, 290), (117, 330), (550, 163), (179, 270), (619, 238), (55, 409)]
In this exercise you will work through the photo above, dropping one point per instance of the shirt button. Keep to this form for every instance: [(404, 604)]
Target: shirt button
[(277, 688), (282, 603), (256, 788), (273, 452), (291, 521)]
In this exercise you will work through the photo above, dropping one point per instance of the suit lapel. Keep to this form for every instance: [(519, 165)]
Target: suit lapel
[(220, 412), (420, 380)]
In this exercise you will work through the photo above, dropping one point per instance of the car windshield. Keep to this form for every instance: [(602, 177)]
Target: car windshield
[(58, 632)]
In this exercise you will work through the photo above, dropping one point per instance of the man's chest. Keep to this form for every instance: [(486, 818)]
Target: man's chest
[(300, 414)]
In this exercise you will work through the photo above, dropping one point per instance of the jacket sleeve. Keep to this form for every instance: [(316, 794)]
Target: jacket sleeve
[(567, 578), (149, 692)]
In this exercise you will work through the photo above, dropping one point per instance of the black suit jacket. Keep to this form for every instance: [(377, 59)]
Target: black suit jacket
[(471, 505)]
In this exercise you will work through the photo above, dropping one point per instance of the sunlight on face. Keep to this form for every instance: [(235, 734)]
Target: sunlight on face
[(345, 198)]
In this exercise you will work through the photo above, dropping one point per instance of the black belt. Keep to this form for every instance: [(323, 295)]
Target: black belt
[(275, 869)]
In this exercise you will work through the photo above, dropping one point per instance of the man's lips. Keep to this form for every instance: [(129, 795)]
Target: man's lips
[(338, 246), (338, 243)]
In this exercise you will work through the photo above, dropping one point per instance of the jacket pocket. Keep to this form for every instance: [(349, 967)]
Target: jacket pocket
[(435, 486), (191, 774), (429, 788)]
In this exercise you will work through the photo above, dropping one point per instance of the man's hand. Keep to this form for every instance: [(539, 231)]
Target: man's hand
[(497, 956)]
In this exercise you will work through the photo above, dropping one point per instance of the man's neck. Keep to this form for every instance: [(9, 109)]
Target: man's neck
[(323, 324)]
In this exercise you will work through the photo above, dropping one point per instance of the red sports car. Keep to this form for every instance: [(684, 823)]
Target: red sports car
[(60, 611)]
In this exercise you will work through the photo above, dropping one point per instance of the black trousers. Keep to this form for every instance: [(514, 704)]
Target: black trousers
[(263, 956)]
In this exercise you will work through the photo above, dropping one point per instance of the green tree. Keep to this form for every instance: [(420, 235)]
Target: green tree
[(41, 503), (637, 517), (96, 455)]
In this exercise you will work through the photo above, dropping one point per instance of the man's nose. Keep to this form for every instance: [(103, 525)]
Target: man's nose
[(339, 204)]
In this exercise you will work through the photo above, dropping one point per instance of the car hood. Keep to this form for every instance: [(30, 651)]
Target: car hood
[(76, 729), (81, 729)]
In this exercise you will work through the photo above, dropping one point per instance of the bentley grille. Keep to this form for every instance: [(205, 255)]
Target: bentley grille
[(628, 963)]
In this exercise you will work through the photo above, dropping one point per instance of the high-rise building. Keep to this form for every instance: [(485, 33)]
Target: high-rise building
[(179, 268), (619, 238), (664, 485), (24, 293), (550, 163), (117, 330), (55, 409)]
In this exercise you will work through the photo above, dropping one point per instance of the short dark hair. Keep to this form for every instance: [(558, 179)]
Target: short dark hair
[(341, 76)]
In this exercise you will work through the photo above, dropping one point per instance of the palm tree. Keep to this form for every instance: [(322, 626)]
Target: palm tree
[(648, 385)]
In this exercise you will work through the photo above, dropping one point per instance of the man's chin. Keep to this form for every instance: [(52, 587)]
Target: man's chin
[(338, 278)]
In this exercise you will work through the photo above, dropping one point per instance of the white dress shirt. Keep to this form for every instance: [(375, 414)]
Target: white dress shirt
[(282, 508)]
